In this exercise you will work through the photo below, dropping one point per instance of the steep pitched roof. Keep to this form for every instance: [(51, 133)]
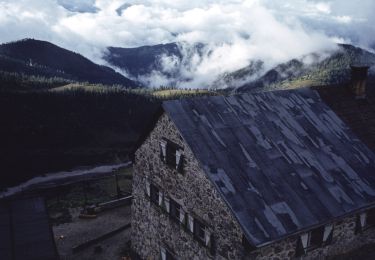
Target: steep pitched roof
[(283, 161)]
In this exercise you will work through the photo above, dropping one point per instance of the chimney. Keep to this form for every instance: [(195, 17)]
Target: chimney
[(359, 79)]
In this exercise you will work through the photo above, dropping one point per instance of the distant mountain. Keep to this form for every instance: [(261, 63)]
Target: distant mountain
[(171, 60), (44, 59), (334, 69), (240, 77), (164, 60), (141, 60)]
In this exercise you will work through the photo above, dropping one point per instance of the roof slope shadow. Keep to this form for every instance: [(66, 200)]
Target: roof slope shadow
[(358, 114)]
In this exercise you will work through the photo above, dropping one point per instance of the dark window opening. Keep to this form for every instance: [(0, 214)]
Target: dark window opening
[(165, 254), (154, 194), (365, 220), (212, 245), (171, 154), (170, 256), (310, 241), (199, 230), (316, 237), (175, 210), (370, 219)]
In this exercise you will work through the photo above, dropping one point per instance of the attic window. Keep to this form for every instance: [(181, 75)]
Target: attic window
[(317, 237), (171, 154), (365, 220), (370, 218)]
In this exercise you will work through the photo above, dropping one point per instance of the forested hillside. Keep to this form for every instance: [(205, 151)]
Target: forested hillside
[(48, 131), (44, 59), (334, 69), (141, 60), (53, 124)]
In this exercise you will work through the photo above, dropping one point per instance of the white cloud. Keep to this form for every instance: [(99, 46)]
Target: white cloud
[(235, 31)]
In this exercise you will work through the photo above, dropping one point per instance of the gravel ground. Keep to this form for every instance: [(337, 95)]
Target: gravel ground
[(81, 230)]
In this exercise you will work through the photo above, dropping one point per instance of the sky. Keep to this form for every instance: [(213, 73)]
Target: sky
[(235, 32)]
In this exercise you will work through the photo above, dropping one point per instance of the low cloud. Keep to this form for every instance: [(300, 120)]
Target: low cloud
[(234, 32)]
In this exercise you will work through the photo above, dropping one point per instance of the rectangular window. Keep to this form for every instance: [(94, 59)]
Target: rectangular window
[(165, 254), (154, 194), (314, 239), (370, 219), (175, 210), (171, 154), (199, 230), (365, 220)]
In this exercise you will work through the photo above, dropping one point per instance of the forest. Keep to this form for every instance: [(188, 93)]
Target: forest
[(51, 124)]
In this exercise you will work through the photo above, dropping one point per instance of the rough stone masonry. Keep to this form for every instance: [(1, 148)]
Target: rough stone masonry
[(153, 229)]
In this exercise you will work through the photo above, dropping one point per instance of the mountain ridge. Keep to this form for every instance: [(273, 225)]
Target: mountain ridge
[(334, 69), (42, 58)]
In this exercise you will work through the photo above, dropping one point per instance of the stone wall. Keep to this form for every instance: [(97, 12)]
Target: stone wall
[(344, 240), (152, 228)]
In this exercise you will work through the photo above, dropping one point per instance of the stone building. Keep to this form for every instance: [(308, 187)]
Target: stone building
[(274, 175)]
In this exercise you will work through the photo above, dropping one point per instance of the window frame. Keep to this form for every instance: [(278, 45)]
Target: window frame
[(199, 228), (363, 223), (172, 151), (316, 238), (169, 255)]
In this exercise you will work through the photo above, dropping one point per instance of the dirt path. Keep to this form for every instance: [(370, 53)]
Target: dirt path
[(81, 230)]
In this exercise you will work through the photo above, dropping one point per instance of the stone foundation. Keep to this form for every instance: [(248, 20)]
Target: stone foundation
[(344, 240)]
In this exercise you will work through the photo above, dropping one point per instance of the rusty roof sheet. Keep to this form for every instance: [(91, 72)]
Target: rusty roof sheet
[(283, 161)]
